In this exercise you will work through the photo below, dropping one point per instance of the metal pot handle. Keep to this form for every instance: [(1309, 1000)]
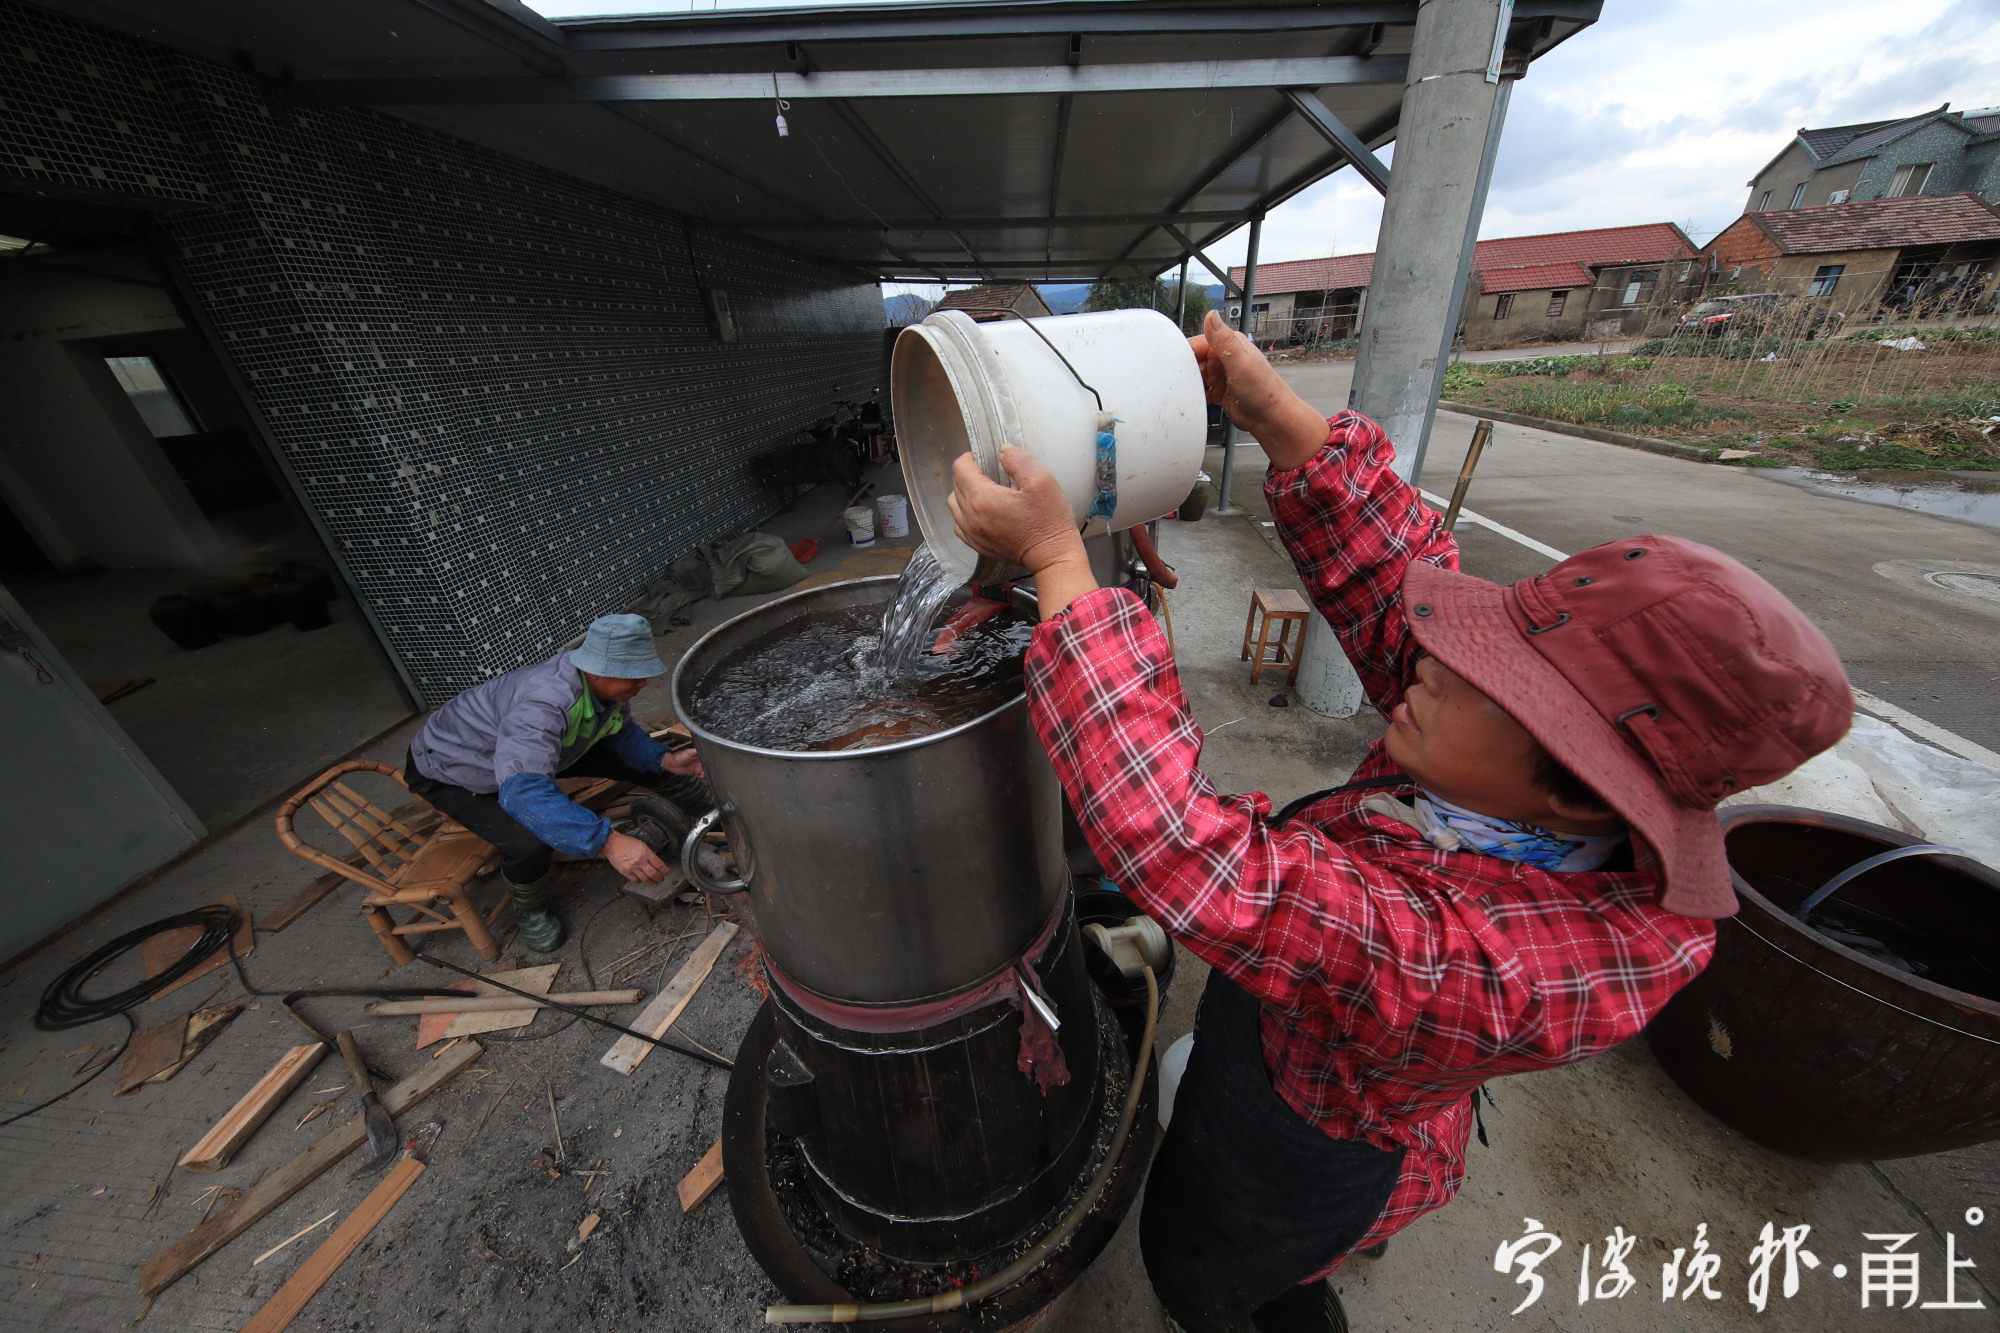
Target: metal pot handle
[(691, 860)]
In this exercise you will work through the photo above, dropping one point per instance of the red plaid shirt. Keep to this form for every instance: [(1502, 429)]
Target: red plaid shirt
[(1396, 978)]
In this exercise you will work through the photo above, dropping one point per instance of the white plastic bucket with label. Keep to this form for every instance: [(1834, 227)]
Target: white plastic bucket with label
[(892, 515), (860, 522), (1048, 385)]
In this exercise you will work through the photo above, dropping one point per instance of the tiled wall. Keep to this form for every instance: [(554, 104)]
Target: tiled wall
[(495, 382)]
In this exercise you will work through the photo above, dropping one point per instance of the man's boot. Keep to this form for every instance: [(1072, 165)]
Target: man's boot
[(541, 929), (690, 793)]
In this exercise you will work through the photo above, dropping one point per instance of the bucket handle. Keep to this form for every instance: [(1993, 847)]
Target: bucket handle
[(1841, 881), (1059, 356), (691, 860)]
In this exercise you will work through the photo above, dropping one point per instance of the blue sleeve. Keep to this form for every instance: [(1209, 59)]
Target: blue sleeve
[(538, 804), (631, 743)]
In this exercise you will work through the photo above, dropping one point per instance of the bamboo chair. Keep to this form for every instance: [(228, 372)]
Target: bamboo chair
[(413, 857)]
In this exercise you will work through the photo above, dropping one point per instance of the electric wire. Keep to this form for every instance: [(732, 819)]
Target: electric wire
[(64, 1003)]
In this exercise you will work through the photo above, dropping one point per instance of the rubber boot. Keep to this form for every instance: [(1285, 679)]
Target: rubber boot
[(691, 794), (541, 929)]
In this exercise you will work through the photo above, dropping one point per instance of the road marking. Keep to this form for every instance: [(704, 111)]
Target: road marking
[(1929, 731), (1882, 708), (1480, 520)]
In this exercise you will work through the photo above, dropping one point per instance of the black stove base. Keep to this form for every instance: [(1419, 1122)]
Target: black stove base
[(814, 1262)]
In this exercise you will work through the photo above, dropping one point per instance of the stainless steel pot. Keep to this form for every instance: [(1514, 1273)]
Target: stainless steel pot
[(887, 875)]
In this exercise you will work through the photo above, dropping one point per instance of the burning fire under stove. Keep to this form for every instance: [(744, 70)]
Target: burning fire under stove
[(937, 1088)]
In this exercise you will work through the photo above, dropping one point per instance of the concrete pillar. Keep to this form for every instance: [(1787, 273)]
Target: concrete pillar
[(1243, 326), (1454, 103)]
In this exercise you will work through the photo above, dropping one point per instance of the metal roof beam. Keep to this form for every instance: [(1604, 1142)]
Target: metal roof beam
[(654, 32), (1006, 81), (1335, 131), (708, 29), (992, 223), (863, 131), (1229, 287)]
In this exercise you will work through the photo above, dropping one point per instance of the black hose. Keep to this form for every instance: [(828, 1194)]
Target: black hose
[(64, 1004)]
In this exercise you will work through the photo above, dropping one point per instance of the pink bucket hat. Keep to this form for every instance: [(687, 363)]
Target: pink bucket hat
[(1661, 672)]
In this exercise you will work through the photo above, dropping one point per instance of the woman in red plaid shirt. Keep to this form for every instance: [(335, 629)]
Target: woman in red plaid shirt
[(1519, 875)]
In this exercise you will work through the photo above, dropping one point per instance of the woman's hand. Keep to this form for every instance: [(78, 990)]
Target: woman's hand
[(1028, 524), (1236, 375)]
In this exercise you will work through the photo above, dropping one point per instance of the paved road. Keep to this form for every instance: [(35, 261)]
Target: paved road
[(1858, 569)]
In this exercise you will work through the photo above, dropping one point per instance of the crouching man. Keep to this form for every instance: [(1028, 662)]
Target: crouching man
[(489, 759), (1520, 873)]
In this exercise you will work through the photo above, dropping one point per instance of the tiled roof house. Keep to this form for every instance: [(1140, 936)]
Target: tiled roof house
[(1555, 284), (1932, 251)]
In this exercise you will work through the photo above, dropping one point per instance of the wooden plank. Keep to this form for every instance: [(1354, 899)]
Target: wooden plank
[(519, 1014), (162, 951), (150, 1053), (303, 1284), (203, 1028), (491, 1004), (699, 1183), (252, 1109), (665, 1010), (177, 1260)]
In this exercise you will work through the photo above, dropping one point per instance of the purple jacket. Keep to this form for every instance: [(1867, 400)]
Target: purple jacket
[(513, 734)]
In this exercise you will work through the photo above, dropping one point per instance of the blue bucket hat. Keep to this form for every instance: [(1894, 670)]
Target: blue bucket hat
[(620, 647)]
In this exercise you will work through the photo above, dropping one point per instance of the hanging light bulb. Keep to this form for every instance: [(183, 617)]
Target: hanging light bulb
[(784, 130)]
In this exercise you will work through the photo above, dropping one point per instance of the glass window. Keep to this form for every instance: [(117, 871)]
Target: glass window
[(1909, 179), (1557, 300), (1799, 195), (1763, 201), (149, 391), (1503, 305), (1825, 280), (1639, 287)]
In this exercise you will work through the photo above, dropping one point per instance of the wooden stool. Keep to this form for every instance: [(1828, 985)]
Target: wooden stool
[(1283, 606)]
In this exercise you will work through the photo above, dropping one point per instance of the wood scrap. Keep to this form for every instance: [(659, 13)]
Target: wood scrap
[(253, 1108), (203, 1028), (699, 1183), (300, 1288), (151, 1052), (473, 1022), (294, 1236), (162, 951), (666, 1008), (490, 1004), (108, 690), (180, 1258)]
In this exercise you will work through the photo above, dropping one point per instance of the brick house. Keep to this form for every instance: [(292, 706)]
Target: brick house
[(987, 300), (1607, 281), (1934, 153), (1920, 252)]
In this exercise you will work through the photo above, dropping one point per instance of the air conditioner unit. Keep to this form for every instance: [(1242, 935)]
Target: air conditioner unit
[(1838, 196)]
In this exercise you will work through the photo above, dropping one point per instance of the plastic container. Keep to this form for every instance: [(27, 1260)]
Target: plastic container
[(892, 515), (860, 522), (1045, 385)]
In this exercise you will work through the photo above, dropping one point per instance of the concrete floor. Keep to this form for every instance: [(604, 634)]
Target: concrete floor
[(88, 1190)]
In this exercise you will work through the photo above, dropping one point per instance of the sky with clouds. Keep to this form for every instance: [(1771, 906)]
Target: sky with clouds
[(1661, 111)]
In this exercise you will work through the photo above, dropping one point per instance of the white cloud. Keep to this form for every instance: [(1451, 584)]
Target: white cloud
[(1661, 112)]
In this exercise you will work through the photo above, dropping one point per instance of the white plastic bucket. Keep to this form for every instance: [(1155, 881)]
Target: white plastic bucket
[(957, 385), (860, 522), (892, 515)]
